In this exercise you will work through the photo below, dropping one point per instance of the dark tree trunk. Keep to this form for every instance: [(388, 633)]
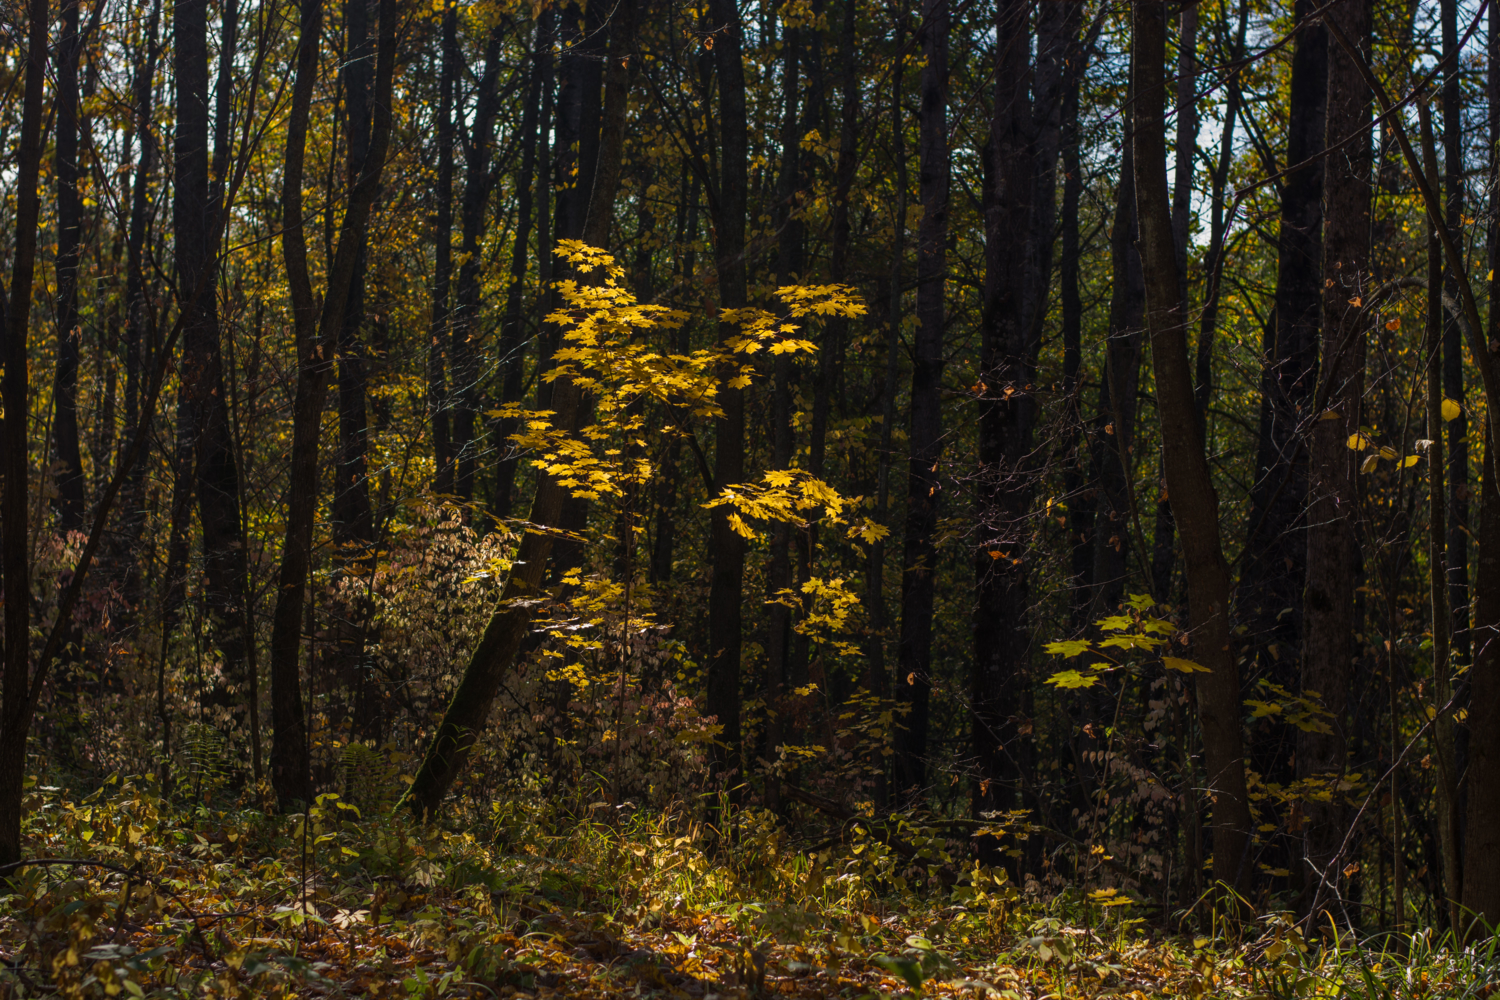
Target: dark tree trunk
[(1007, 412), (1481, 874), (1195, 505), (726, 586), (316, 333), (353, 523), (18, 700), (467, 334), (69, 458), (206, 447), (1275, 561), (919, 556), (1112, 433), (1453, 359), (138, 316), (1332, 553), (529, 190), (442, 274), (1079, 498)]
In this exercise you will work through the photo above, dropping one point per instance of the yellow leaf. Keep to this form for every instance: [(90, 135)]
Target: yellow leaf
[(1394, 323), (1184, 666), (1358, 442), (1408, 461), (1369, 463), (1388, 453), (1451, 410), (1329, 415)]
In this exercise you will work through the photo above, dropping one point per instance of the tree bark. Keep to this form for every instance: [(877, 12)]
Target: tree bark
[(16, 388), (1332, 556), (529, 189), (925, 432), (316, 333), (1275, 561), (727, 582), (206, 446), (353, 521), (1007, 412), (1481, 871), (70, 499), (437, 391), (1195, 504)]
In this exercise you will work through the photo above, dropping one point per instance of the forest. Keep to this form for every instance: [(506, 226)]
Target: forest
[(701, 498)]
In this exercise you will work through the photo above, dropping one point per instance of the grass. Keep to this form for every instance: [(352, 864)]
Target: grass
[(194, 901)]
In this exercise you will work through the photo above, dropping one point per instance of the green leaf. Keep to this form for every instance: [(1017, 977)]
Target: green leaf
[(908, 969), (1132, 641), (1069, 648), (1184, 666), (1072, 679)]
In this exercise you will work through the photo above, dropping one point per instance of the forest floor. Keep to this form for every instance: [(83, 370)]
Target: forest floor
[(141, 898)]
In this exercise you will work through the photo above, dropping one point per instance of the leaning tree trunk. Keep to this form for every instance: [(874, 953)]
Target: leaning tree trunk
[(1195, 504)]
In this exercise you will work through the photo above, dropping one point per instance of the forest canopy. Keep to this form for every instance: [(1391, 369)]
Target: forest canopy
[(925, 495)]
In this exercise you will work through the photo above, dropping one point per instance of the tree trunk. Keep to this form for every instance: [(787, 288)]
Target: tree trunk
[(1007, 411), (1113, 431), (528, 190), (1332, 554), (316, 333), (442, 274), (1195, 505), (16, 388), (1275, 560), (207, 447), (727, 582), (1446, 799), (1481, 872), (353, 522), (919, 555), (70, 499)]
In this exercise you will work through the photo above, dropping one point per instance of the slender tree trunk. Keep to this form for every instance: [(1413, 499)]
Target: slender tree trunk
[(779, 571), (207, 448), (1275, 560), (1332, 555), (442, 275), (1453, 359), (878, 681), (353, 520), (316, 332), (919, 556), (1195, 505), (138, 317), (528, 191), (1079, 498), (1481, 873), (70, 499), (1007, 411), (1113, 431), (726, 585), (1437, 557), (16, 388)]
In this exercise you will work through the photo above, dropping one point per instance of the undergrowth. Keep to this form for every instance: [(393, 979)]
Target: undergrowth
[(129, 894)]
